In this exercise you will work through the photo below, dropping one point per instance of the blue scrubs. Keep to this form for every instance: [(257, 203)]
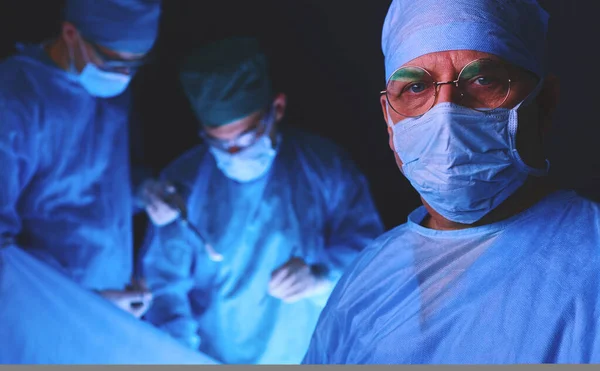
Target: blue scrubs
[(313, 203), (65, 195), (523, 290)]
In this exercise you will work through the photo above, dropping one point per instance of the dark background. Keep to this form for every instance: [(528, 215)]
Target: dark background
[(326, 55)]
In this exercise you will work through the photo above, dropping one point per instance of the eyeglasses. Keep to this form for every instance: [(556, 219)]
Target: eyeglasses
[(483, 84), (109, 63), (245, 139)]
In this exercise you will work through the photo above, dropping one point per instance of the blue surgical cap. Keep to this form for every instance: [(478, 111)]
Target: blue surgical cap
[(226, 80), (120, 25), (514, 30)]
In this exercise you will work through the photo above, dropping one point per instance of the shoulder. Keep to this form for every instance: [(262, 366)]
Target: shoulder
[(568, 219), (28, 71), (567, 210), (380, 260), (31, 86), (20, 102), (364, 293), (577, 203), (18, 87), (32, 75)]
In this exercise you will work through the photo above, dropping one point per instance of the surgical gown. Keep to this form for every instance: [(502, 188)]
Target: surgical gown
[(46, 318), (313, 203), (64, 186), (523, 290)]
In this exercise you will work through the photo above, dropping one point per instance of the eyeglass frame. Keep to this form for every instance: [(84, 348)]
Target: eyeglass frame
[(110, 63), (455, 82), (266, 122)]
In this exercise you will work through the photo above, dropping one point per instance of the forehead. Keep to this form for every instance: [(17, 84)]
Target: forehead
[(236, 127), (448, 62)]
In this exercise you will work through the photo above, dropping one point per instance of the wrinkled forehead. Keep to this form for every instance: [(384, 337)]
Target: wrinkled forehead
[(452, 61), (514, 30)]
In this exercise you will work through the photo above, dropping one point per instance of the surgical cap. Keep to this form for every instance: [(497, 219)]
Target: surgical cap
[(120, 25), (226, 80), (514, 30)]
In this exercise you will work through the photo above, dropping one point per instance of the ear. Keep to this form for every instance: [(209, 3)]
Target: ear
[(547, 101), (383, 101), (384, 108), (280, 104)]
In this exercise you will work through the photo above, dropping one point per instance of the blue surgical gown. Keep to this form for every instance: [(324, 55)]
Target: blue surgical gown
[(523, 290), (313, 203), (64, 186), (46, 318)]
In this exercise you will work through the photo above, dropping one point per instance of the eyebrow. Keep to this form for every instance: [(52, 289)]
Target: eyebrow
[(472, 70), (407, 73)]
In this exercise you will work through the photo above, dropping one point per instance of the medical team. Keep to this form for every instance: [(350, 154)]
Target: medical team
[(265, 241)]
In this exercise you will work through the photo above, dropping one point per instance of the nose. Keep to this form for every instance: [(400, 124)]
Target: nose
[(448, 93)]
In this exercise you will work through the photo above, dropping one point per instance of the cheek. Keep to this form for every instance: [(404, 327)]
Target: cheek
[(519, 91), (391, 145), (398, 161), (390, 138), (391, 142)]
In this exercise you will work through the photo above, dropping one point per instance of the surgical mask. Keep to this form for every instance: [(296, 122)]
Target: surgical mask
[(464, 163), (99, 83), (248, 164)]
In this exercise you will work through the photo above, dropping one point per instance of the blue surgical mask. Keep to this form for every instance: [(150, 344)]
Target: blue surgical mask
[(464, 163), (97, 82), (248, 164), (103, 84)]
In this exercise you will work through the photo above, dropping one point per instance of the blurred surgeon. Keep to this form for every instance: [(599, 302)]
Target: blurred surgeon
[(271, 218), (65, 194)]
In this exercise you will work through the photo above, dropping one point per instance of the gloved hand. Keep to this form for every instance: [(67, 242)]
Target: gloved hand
[(135, 302), (295, 280), (160, 200)]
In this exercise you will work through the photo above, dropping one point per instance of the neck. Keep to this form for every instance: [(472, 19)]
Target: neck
[(525, 197), (57, 51)]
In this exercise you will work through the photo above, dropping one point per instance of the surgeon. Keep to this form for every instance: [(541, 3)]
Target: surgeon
[(497, 266), (64, 187), (271, 218)]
